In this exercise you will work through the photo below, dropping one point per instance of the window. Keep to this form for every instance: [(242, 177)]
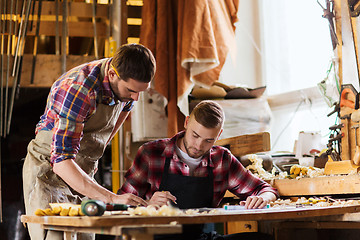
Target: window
[(286, 46), (282, 44)]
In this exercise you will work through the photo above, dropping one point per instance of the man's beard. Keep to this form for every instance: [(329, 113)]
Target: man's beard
[(188, 150)]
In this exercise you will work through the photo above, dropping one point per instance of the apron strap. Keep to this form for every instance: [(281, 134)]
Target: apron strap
[(165, 173)]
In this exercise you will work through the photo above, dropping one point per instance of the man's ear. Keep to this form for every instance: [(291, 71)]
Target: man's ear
[(111, 72), (219, 134), (186, 121)]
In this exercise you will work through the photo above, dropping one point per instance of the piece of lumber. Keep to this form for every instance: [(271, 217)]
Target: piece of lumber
[(49, 68), (247, 144), (343, 184)]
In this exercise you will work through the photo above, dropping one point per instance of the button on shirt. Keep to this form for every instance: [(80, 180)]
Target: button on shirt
[(71, 102), (144, 176)]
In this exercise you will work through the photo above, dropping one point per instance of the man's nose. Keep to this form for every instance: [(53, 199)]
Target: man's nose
[(198, 144), (135, 96)]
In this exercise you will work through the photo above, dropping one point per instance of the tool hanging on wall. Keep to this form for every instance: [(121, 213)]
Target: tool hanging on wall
[(9, 39), (19, 58), (346, 162), (15, 26), (57, 37), (329, 15), (20, 33), (38, 20), (95, 31), (64, 36), (1, 103), (3, 21), (356, 158)]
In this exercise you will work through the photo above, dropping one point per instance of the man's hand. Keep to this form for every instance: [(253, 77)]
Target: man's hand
[(129, 199), (77, 179), (161, 198), (258, 201)]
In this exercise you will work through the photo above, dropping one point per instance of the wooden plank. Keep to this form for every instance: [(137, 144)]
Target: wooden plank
[(48, 68), (247, 215), (247, 144), (345, 184)]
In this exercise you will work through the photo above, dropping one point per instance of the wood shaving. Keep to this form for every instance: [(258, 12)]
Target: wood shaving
[(296, 171), (166, 210), (314, 201)]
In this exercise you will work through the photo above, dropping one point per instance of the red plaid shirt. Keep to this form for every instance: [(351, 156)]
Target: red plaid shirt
[(144, 176)]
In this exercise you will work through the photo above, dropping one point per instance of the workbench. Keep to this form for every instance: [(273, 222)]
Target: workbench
[(141, 227)]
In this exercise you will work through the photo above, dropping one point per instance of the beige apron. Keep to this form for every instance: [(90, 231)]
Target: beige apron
[(42, 186)]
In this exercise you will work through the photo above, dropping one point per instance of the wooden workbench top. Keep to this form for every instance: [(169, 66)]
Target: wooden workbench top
[(289, 212)]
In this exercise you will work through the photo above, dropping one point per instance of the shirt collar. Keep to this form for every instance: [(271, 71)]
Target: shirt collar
[(170, 150), (108, 96)]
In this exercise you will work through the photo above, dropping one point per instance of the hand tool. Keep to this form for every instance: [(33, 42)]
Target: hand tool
[(2, 32), (1, 218), (97, 208), (349, 102), (20, 33), (18, 57), (336, 109), (33, 15), (64, 36), (348, 98), (8, 64), (329, 15), (57, 41), (95, 31), (36, 42), (15, 27), (356, 158), (331, 151), (336, 127)]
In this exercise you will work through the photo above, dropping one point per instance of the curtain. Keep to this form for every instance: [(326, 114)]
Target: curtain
[(190, 40)]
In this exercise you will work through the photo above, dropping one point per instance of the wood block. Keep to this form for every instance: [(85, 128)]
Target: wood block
[(247, 144), (342, 184), (340, 167)]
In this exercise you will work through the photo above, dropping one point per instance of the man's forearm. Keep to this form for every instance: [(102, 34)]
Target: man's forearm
[(77, 179)]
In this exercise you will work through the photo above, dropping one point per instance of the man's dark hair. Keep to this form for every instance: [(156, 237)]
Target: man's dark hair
[(134, 61), (209, 114)]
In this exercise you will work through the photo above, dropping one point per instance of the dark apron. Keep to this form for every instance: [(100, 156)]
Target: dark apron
[(190, 192)]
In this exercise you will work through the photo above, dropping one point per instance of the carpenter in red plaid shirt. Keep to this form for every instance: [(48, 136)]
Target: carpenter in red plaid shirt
[(189, 171)]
